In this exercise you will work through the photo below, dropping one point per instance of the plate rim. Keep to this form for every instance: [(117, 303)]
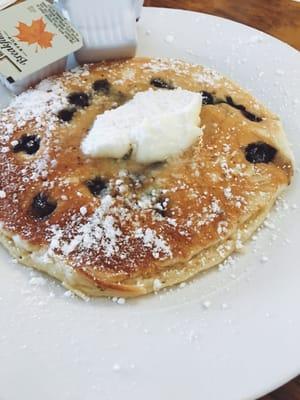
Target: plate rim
[(167, 10)]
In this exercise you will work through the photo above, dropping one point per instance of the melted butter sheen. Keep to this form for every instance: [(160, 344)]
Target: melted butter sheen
[(153, 126)]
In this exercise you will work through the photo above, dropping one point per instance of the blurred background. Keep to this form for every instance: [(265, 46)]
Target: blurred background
[(279, 18)]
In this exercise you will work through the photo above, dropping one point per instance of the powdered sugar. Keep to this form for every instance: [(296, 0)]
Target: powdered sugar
[(83, 211), (99, 231), (222, 228), (228, 193), (208, 76), (156, 243), (37, 281), (102, 231), (157, 285), (39, 105), (127, 75), (169, 39)]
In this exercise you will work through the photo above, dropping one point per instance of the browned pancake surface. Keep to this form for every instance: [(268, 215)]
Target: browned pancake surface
[(142, 219)]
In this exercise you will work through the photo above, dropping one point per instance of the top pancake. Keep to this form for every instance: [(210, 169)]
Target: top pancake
[(115, 221)]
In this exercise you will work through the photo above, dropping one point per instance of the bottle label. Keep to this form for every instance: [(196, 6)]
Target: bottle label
[(33, 35)]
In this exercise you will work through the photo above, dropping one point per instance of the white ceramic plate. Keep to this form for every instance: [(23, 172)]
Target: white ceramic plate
[(229, 334)]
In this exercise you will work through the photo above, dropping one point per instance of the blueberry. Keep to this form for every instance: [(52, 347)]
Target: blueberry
[(96, 185), (128, 154), (247, 114), (42, 206), (29, 144), (66, 114), (260, 152), (161, 84), (230, 102), (236, 106), (79, 99), (161, 206), (251, 116), (102, 86), (207, 98)]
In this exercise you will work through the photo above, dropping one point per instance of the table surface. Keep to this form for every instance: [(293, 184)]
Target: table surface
[(280, 18)]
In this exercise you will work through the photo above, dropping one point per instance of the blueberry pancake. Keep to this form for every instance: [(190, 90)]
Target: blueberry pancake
[(118, 227)]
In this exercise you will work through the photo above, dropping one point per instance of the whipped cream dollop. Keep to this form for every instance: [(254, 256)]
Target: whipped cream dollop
[(153, 126)]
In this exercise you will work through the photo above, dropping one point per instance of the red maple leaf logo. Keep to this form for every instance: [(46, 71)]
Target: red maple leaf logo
[(35, 34)]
